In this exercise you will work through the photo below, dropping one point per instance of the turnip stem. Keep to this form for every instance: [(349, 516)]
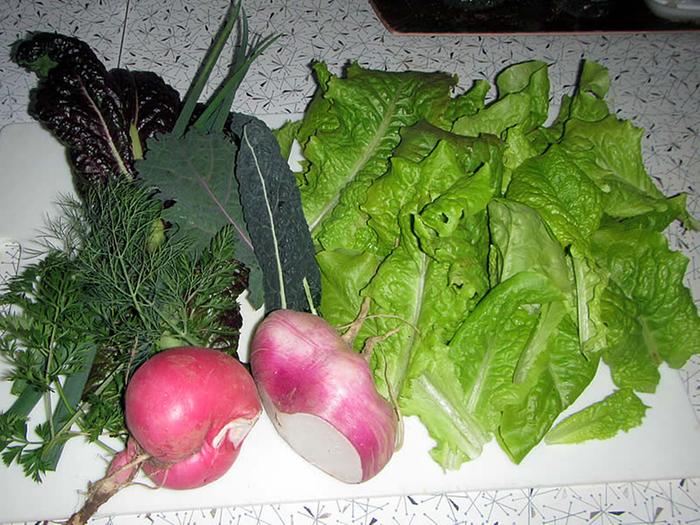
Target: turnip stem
[(351, 333), (373, 341)]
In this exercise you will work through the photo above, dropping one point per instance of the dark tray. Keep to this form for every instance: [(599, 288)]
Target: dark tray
[(524, 16)]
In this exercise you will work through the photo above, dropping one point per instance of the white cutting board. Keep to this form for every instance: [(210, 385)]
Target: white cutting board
[(33, 172)]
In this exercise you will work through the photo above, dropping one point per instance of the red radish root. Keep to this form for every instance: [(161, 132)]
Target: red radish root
[(190, 409), (321, 397)]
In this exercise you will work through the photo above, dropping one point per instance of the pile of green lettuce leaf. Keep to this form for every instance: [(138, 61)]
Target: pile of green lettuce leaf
[(512, 254)]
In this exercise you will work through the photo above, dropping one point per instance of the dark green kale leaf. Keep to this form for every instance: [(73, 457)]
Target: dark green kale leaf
[(275, 220)]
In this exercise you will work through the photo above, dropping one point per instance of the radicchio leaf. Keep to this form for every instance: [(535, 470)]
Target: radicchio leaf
[(95, 113)]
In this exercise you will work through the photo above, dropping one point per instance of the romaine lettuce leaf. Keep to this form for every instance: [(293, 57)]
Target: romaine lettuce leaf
[(523, 100), (566, 198), (343, 274), (488, 345), (551, 369), (650, 314), (434, 276), (427, 163), (507, 258), (552, 382), (348, 134), (522, 242), (620, 411)]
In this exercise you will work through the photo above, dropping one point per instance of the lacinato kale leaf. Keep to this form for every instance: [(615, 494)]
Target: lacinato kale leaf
[(273, 214)]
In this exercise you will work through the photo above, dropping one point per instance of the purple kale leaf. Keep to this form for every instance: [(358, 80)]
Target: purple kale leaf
[(103, 117)]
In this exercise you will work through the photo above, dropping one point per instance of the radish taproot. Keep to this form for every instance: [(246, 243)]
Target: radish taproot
[(188, 411), (321, 397)]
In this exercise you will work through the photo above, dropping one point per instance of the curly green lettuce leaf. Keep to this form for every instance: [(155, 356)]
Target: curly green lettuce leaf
[(468, 103), (590, 282), (650, 314), (549, 385), (426, 299), (487, 346), (343, 274), (348, 134), (434, 276), (427, 162), (620, 411), (522, 242), (551, 369), (523, 101), (567, 199), (423, 290)]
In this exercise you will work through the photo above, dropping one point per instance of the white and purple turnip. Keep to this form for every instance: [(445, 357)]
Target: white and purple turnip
[(321, 396)]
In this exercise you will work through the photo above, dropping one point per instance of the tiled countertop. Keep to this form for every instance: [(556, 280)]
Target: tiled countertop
[(656, 84)]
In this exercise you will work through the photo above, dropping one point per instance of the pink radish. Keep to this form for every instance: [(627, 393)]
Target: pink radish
[(190, 409), (320, 396)]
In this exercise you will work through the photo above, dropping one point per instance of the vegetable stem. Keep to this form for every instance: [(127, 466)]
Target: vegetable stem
[(206, 68), (309, 296)]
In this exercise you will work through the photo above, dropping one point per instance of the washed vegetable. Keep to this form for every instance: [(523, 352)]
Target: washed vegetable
[(103, 117), (620, 411), (119, 281), (511, 257), (98, 305), (487, 263), (194, 165), (190, 409), (320, 396), (274, 219)]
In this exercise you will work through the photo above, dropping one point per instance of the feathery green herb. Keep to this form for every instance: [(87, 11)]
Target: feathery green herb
[(111, 289)]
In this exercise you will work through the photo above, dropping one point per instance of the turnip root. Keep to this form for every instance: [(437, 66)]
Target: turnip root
[(188, 411), (321, 396)]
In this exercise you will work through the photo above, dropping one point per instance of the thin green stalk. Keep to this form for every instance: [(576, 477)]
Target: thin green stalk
[(78, 412), (309, 296), (202, 76), (229, 87)]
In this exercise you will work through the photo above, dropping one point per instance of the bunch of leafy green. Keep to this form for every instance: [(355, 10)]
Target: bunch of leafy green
[(153, 254), (511, 256), (104, 117), (98, 303)]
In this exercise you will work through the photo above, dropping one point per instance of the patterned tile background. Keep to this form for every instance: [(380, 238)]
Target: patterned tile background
[(656, 83)]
